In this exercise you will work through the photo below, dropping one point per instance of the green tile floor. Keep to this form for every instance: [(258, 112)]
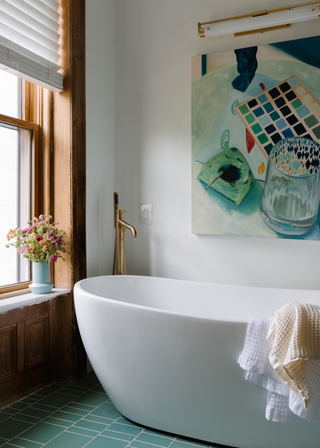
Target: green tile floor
[(75, 415)]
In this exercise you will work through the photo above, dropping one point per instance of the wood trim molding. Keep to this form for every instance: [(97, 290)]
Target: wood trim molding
[(19, 123), (69, 139), (69, 177)]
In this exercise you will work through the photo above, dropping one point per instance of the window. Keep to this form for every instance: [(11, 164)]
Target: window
[(18, 175)]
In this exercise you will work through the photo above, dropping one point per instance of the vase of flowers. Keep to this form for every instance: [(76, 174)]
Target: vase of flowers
[(40, 278), (41, 242)]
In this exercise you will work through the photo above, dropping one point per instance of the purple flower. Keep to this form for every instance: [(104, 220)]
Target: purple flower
[(53, 258), (58, 241)]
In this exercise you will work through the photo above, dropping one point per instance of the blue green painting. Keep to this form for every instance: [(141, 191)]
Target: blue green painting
[(256, 141)]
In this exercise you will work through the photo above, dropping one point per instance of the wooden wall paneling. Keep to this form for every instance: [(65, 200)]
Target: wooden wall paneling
[(8, 352), (65, 336), (22, 314), (36, 341), (69, 172), (20, 347), (78, 155), (78, 146), (54, 340), (29, 357), (18, 386)]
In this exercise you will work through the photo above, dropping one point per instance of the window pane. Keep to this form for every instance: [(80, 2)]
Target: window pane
[(15, 198), (9, 95), (9, 194)]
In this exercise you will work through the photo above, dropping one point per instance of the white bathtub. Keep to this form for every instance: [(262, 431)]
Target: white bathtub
[(166, 353)]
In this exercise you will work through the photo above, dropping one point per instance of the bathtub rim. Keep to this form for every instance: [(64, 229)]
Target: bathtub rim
[(77, 287)]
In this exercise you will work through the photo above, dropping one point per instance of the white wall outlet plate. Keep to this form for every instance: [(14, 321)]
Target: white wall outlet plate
[(146, 214)]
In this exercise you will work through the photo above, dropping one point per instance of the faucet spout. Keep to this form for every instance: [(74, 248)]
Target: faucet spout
[(119, 259), (129, 227)]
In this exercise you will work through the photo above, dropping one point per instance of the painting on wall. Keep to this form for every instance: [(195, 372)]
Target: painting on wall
[(256, 141)]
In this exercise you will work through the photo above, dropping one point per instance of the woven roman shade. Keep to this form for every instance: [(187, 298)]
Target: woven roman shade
[(29, 41)]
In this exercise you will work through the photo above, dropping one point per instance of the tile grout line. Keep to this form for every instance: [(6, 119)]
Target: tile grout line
[(82, 417), (65, 429), (41, 420), (100, 432), (88, 411)]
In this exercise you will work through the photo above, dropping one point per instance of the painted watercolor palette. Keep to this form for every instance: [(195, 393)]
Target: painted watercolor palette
[(288, 109)]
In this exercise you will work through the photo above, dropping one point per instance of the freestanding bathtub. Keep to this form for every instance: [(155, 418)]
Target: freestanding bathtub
[(166, 353)]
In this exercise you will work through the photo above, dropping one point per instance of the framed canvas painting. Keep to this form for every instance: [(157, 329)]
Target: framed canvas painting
[(256, 141)]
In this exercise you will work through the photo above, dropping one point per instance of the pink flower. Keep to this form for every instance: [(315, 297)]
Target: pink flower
[(25, 230), (40, 238), (53, 258)]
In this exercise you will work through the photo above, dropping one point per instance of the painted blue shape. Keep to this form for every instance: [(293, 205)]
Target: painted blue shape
[(293, 82), (287, 133), (258, 112), (302, 49), (246, 65), (281, 124), (264, 121), (268, 107), (262, 98), (203, 64), (302, 111)]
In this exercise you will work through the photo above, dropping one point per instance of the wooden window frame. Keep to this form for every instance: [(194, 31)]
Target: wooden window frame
[(62, 174), (21, 287)]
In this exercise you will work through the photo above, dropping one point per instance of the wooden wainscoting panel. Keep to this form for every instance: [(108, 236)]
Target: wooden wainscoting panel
[(54, 339), (36, 341), (24, 313), (8, 352), (29, 350), (20, 347), (22, 384)]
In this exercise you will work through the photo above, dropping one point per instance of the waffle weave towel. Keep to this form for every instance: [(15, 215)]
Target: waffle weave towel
[(295, 335), (283, 405)]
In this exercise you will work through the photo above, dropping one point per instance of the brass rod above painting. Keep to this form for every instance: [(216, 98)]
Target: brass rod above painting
[(260, 21), (262, 30)]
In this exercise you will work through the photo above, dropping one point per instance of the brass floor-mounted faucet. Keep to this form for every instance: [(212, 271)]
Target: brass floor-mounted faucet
[(119, 260)]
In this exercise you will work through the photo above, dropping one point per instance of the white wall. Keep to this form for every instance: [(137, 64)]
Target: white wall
[(154, 43), (100, 71)]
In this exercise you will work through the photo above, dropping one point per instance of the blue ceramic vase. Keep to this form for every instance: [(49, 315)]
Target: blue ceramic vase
[(41, 279)]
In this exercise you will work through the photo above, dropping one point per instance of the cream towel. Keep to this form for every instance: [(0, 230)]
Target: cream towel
[(295, 335)]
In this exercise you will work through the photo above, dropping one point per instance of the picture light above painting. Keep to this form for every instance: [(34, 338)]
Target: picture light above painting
[(256, 141), (261, 21)]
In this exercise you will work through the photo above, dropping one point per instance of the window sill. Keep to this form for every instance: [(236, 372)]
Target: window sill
[(20, 301)]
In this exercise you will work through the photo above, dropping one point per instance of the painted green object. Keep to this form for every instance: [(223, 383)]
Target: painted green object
[(237, 185), (224, 140)]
